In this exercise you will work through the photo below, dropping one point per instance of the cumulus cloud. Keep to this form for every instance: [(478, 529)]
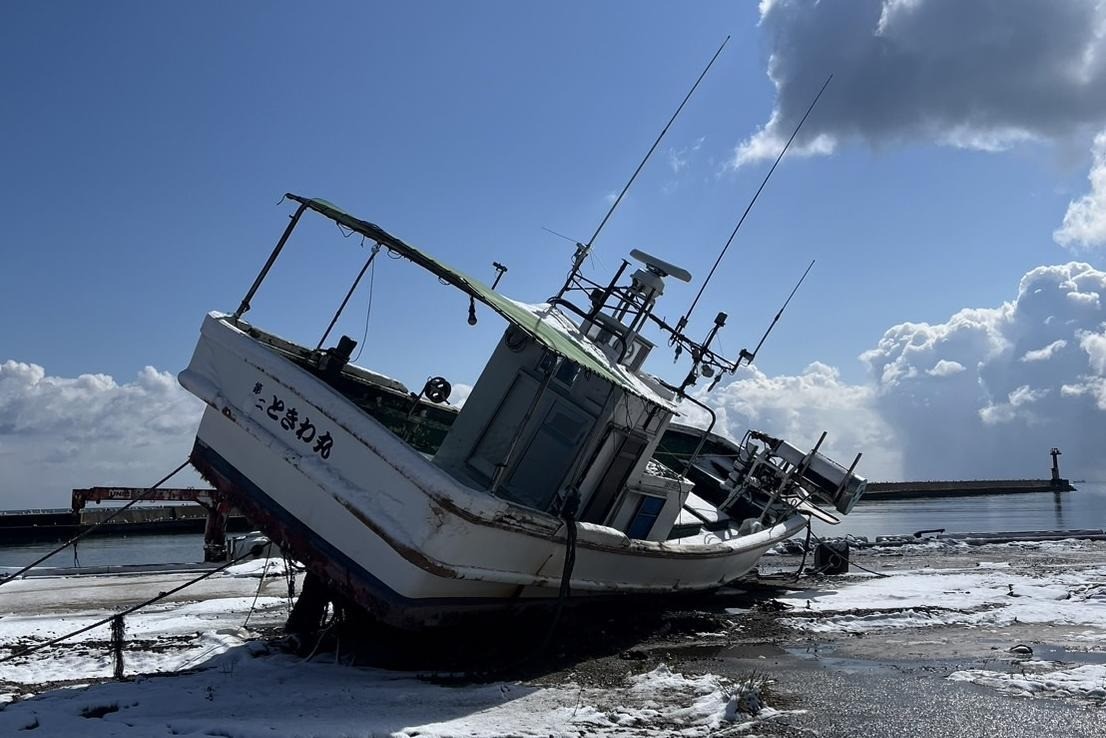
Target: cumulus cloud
[(1044, 354), (945, 368), (460, 394), (1085, 220), (981, 75), (57, 433), (1032, 379), (984, 394), (799, 407)]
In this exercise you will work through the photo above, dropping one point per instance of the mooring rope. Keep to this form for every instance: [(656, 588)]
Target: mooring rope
[(568, 514), (134, 608), (260, 584), (73, 541)]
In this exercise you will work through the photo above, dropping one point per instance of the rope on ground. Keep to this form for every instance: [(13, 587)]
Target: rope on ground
[(806, 550), (73, 541), (134, 608), (290, 576), (258, 593)]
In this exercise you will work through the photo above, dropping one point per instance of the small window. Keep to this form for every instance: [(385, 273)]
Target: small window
[(566, 375), (647, 511)]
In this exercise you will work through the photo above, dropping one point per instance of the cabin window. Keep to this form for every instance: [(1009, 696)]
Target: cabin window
[(645, 516), (554, 446), (566, 375)]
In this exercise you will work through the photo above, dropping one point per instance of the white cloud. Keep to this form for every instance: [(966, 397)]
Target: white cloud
[(800, 407), (1085, 220), (1031, 381), (978, 75), (1046, 353), (945, 368), (984, 394), (1014, 407), (678, 158), (1094, 344), (57, 433), (460, 394)]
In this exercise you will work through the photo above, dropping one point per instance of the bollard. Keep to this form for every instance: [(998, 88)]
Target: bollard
[(117, 630)]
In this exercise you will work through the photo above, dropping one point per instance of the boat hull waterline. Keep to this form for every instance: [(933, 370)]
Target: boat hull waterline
[(388, 528)]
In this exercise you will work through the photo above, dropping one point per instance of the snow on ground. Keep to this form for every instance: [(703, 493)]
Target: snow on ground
[(1042, 679), (176, 633), (991, 594), (237, 687), (248, 692)]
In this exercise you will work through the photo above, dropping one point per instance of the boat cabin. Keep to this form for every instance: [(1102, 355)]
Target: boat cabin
[(538, 429)]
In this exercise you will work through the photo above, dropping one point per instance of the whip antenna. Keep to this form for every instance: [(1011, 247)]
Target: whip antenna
[(683, 321), (751, 356), (582, 249)]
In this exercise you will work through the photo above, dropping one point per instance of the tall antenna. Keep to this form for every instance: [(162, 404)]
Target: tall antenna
[(683, 321), (750, 357), (583, 249)]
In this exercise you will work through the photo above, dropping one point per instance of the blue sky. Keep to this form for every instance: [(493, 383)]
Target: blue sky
[(146, 147)]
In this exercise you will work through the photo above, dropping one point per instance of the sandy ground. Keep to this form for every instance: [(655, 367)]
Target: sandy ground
[(932, 649)]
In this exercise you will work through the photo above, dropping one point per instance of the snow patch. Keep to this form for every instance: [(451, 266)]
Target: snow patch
[(990, 595), (1086, 682)]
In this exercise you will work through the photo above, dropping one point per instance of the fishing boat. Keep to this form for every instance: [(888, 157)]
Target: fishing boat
[(561, 473)]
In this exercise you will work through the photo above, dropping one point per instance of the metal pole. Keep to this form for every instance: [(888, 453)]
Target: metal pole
[(329, 328), (269, 264)]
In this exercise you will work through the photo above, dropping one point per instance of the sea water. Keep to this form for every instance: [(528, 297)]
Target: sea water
[(1084, 508), (109, 551)]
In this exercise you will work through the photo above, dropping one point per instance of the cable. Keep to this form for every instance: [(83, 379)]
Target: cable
[(806, 550), (260, 584), (851, 563), (368, 312), (128, 611), (72, 541), (568, 514)]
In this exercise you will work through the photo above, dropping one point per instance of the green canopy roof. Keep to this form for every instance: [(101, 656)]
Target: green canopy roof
[(544, 323)]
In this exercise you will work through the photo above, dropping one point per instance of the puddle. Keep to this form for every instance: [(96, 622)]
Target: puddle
[(825, 656), (1059, 653)]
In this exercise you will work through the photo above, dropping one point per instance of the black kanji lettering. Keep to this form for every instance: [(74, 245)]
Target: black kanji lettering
[(257, 388)]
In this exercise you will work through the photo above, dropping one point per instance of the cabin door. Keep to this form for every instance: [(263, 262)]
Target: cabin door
[(614, 479)]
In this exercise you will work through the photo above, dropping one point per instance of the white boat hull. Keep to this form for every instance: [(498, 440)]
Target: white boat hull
[(389, 529)]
